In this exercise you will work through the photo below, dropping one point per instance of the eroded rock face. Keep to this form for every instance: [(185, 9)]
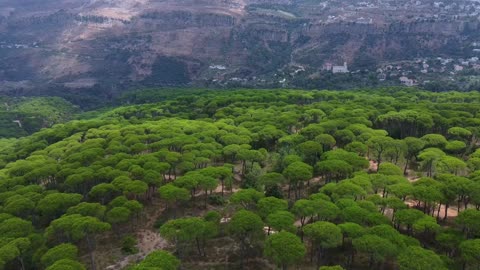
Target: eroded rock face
[(118, 42)]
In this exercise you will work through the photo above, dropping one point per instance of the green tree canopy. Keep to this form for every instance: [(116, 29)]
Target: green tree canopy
[(417, 258), (59, 252), (159, 259), (284, 249)]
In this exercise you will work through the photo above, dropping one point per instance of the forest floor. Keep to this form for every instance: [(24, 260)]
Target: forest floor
[(452, 211), (373, 166), (149, 239)]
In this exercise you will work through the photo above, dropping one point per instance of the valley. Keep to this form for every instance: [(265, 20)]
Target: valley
[(239, 134)]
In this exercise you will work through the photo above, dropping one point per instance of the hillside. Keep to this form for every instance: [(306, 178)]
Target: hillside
[(105, 46), (23, 116)]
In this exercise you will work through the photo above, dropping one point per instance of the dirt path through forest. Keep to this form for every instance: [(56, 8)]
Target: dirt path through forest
[(148, 240)]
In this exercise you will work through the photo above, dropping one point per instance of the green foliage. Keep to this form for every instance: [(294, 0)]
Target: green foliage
[(118, 215), (324, 234), (69, 184), (387, 168), (245, 224), (470, 251), (246, 197), (434, 140), (357, 162), (376, 247), (13, 227), (75, 227), (298, 171), (55, 204), (129, 244), (334, 169), (33, 113), (379, 145), (281, 221), (216, 200), (57, 253), (171, 193), (336, 267), (270, 205), (88, 209), (187, 229), (304, 208), (158, 259), (470, 221), (408, 217), (213, 216), (352, 230), (455, 147), (284, 248), (417, 258), (272, 179), (66, 264), (459, 132)]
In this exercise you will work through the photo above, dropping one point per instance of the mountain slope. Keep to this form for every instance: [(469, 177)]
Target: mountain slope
[(108, 44)]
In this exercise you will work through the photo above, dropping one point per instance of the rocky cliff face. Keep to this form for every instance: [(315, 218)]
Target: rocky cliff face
[(115, 44)]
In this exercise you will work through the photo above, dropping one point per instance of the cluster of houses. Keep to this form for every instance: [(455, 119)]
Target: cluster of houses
[(409, 73), (366, 11)]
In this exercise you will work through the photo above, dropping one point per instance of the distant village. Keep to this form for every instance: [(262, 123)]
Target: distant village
[(419, 71), (366, 12), (409, 73), (412, 72)]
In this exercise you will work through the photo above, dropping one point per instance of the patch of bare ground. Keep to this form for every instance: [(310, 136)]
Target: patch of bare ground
[(373, 167), (148, 240), (452, 211)]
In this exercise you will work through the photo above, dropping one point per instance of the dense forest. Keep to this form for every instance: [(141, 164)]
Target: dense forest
[(25, 115), (249, 179)]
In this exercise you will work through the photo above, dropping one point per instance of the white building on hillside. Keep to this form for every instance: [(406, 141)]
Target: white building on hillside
[(407, 82), (340, 69)]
